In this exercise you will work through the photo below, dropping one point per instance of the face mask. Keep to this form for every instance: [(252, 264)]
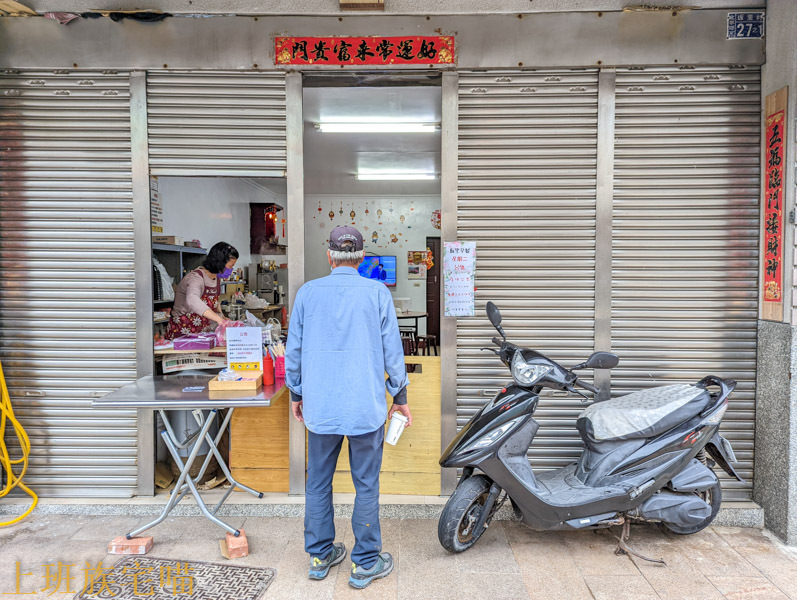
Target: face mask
[(225, 274)]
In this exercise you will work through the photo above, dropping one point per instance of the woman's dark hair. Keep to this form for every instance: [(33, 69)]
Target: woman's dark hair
[(218, 257)]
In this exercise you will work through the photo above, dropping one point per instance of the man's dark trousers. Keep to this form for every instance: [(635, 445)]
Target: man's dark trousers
[(365, 460)]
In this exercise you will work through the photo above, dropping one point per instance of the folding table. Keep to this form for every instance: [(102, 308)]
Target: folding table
[(190, 392)]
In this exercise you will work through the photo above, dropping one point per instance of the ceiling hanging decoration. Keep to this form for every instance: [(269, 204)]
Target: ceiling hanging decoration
[(366, 207), (341, 208), (331, 214)]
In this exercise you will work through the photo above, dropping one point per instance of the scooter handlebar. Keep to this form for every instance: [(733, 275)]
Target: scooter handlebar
[(588, 386), (497, 341)]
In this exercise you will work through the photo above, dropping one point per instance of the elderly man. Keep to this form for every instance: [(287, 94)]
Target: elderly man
[(343, 338)]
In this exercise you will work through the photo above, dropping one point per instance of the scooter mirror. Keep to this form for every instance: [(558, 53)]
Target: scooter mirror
[(493, 314), (602, 360)]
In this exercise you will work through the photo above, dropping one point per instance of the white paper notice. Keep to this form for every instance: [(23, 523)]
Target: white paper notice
[(459, 267), (244, 348)]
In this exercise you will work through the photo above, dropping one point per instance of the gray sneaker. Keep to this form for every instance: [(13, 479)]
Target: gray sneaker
[(319, 567), (361, 578)]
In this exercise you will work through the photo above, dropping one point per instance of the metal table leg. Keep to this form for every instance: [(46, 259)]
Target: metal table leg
[(176, 494), (185, 482), (215, 451)]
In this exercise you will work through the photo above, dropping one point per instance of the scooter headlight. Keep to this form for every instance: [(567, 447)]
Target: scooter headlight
[(525, 373), (493, 436)]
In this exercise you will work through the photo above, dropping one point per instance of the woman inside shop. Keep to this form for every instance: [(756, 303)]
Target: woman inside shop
[(196, 301)]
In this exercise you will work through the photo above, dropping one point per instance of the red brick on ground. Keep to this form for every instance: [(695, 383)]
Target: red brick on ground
[(235, 547), (137, 545)]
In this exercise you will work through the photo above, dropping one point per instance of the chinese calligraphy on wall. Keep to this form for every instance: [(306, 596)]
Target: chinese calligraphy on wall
[(411, 50), (459, 267), (773, 207)]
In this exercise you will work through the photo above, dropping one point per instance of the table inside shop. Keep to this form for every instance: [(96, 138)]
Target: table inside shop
[(415, 316), (190, 392)]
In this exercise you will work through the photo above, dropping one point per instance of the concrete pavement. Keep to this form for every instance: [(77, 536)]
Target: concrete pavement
[(510, 561)]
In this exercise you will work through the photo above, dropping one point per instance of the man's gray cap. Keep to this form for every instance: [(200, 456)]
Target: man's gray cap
[(345, 239)]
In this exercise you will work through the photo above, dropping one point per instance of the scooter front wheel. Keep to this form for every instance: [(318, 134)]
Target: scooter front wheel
[(456, 529)]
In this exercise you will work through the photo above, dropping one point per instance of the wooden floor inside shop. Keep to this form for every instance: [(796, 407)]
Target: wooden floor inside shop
[(259, 442)]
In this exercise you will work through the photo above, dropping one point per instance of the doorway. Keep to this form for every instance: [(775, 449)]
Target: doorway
[(371, 153)]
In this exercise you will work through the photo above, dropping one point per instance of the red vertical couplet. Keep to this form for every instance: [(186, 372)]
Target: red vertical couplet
[(773, 207)]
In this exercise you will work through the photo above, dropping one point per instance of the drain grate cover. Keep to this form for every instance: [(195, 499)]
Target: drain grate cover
[(136, 577)]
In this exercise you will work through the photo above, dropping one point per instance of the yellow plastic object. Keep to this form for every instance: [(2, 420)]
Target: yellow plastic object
[(12, 479)]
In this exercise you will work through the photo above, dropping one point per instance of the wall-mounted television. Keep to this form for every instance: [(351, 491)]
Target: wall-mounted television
[(379, 268)]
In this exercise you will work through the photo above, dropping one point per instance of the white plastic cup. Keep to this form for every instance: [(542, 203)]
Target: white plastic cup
[(394, 429)]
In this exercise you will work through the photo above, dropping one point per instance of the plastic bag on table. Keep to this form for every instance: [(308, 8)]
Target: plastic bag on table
[(276, 329), (221, 331)]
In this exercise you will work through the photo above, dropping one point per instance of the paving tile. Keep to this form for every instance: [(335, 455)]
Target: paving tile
[(427, 555), (712, 556), (490, 554), (679, 579), (549, 571), (774, 563), (593, 553), (747, 588), (737, 537), (429, 571), (620, 587), (452, 585), (519, 533)]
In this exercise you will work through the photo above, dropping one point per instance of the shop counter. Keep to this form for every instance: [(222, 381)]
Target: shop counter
[(259, 442)]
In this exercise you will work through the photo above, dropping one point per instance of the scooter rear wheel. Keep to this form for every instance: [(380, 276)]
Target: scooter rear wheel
[(455, 530), (712, 497)]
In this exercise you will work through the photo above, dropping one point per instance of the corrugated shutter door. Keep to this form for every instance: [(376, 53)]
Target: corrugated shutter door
[(685, 250), (526, 195), (216, 124), (67, 311)]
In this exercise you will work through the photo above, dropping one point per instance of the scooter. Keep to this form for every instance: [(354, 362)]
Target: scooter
[(648, 456)]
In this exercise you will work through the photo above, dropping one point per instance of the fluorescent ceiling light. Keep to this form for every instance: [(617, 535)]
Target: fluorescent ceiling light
[(388, 175), (376, 127)]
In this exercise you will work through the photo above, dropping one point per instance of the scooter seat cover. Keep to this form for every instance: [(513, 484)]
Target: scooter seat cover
[(643, 414)]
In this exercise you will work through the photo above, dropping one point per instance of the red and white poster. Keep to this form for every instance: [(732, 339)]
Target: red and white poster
[(365, 50)]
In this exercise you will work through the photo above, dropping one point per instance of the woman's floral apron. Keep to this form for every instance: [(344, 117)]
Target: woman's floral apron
[(192, 322)]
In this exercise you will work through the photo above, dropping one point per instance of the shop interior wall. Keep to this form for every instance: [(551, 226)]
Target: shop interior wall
[(378, 233), (214, 209)]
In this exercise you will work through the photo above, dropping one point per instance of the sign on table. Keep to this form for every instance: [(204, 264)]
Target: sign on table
[(244, 348), (459, 267)]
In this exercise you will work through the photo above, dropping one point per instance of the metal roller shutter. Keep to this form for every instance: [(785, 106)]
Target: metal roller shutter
[(685, 250), (67, 313), (526, 195), (216, 124)]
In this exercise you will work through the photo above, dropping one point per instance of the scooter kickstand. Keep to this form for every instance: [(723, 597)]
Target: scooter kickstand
[(624, 548)]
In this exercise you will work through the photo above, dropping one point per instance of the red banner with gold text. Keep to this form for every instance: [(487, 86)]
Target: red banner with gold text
[(773, 207), (367, 50)]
